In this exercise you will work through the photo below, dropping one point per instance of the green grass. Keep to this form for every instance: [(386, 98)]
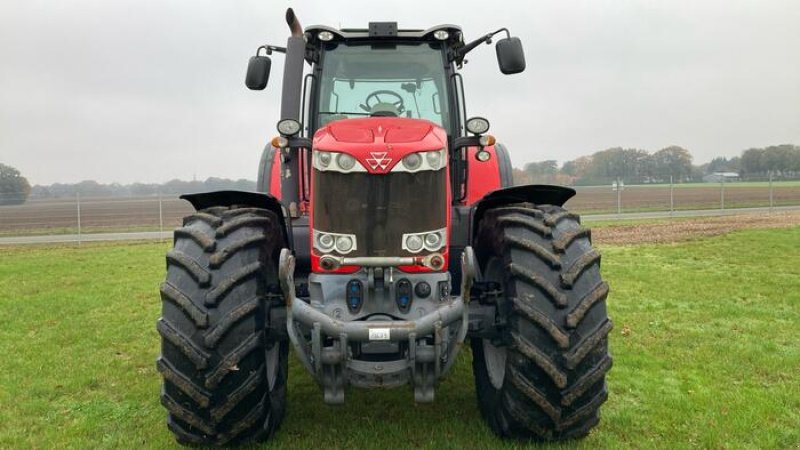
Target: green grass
[(705, 355)]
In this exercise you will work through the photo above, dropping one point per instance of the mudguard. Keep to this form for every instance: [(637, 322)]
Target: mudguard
[(269, 173), (541, 194), (203, 200)]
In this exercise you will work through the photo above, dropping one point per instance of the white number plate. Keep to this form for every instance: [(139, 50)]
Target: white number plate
[(378, 334)]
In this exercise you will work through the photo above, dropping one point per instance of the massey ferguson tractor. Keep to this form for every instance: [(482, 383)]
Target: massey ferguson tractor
[(386, 233)]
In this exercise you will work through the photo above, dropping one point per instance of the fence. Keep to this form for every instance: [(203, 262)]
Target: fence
[(81, 215), (620, 198)]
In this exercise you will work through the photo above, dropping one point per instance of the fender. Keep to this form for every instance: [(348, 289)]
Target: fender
[(203, 200), (542, 194)]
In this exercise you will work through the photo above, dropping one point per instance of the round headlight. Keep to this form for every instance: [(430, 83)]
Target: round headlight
[(441, 34), (323, 158), (414, 243), (412, 161), (477, 125), (344, 244), (433, 240), (325, 36), (289, 127), (345, 161), (483, 156), (325, 242), (434, 159)]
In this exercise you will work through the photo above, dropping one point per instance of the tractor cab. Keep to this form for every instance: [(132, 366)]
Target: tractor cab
[(382, 71), (376, 131)]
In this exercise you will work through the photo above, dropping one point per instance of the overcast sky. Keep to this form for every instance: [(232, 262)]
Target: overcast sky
[(150, 90)]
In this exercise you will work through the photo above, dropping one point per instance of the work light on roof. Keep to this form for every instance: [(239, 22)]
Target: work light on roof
[(441, 34), (325, 36)]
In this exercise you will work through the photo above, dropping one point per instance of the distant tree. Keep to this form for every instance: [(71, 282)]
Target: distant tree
[(718, 164), (542, 171), (672, 161), (520, 177), (631, 164), (779, 158), (14, 188), (91, 188), (753, 161), (734, 165), (577, 168), (548, 167)]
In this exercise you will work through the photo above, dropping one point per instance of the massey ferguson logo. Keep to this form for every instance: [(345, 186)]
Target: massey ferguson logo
[(379, 160)]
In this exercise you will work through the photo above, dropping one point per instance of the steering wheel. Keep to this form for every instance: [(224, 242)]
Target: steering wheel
[(374, 99)]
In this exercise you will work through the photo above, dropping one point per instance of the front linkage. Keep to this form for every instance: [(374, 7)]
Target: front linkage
[(322, 340)]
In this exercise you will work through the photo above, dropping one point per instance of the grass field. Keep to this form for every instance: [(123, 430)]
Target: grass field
[(705, 355)]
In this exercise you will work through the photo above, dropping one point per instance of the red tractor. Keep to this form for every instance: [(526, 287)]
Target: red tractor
[(387, 231)]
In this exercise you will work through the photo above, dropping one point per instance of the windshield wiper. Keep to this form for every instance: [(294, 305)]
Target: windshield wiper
[(344, 112)]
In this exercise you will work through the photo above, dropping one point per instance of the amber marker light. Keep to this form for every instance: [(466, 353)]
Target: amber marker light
[(487, 140), (280, 142)]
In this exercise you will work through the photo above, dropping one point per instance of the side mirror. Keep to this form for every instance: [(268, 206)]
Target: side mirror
[(258, 72), (510, 56)]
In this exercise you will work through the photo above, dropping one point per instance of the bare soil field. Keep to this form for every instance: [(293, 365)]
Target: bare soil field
[(95, 214), (677, 230), (597, 199)]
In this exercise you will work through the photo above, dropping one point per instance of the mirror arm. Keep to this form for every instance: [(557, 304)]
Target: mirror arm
[(461, 52), (271, 48), (466, 141), (299, 142)]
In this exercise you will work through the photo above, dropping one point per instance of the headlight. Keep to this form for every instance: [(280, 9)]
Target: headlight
[(414, 243), (477, 125), (424, 160), (289, 127), (345, 161), (434, 159), (336, 162), (324, 159), (325, 242), (328, 242), (412, 161), (429, 240), (433, 241), (344, 244)]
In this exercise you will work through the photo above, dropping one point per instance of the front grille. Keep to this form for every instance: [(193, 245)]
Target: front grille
[(379, 209)]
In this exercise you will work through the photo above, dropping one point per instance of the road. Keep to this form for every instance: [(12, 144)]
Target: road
[(167, 235)]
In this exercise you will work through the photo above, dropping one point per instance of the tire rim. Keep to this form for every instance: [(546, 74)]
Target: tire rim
[(273, 364), (494, 357)]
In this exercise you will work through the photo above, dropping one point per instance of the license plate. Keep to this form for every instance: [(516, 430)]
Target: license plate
[(378, 334)]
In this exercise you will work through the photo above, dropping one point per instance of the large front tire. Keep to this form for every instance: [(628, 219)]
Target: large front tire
[(543, 378), (224, 371)]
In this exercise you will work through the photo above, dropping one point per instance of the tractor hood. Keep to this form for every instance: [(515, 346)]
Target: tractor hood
[(365, 138)]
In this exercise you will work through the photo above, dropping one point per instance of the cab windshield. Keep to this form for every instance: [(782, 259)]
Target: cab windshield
[(402, 80)]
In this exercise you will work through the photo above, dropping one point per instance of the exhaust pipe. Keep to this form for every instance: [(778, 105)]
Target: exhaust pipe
[(294, 24), (290, 103)]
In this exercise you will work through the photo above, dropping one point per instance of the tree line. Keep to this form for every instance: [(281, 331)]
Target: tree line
[(633, 166), (92, 188), (674, 163), (15, 189)]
